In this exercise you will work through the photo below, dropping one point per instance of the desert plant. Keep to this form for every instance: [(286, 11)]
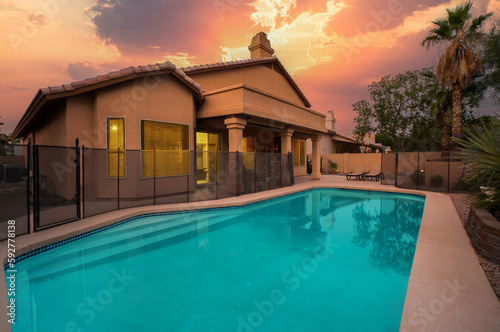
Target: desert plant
[(418, 177), (437, 180), (482, 153)]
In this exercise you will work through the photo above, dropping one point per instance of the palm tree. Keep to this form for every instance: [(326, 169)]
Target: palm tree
[(460, 61)]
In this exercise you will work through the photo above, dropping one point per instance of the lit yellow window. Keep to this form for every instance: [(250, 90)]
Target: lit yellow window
[(208, 157), (248, 152), (116, 147), (164, 149), (299, 153)]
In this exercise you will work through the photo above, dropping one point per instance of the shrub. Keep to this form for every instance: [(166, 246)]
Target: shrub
[(420, 175), (437, 181), (333, 165), (482, 153)]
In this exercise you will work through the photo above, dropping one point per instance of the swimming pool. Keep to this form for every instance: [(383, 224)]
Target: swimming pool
[(319, 260)]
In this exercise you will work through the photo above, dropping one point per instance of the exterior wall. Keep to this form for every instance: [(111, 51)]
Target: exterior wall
[(80, 120), (164, 100), (51, 130), (272, 110), (259, 76), (168, 101), (329, 146), (347, 162)]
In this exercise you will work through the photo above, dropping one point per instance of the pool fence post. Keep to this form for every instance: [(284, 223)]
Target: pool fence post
[(187, 182), (268, 172), (78, 183), (255, 171), (154, 176), (237, 173), (35, 189), (217, 174), (449, 162), (281, 172), (83, 181), (381, 166), (28, 183), (418, 168), (396, 170), (118, 180)]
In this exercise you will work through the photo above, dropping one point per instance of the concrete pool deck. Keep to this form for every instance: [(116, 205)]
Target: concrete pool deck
[(447, 289)]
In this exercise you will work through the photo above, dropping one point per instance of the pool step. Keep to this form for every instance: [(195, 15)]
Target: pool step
[(124, 243)]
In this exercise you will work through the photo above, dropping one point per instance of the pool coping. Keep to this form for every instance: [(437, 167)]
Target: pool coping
[(447, 288)]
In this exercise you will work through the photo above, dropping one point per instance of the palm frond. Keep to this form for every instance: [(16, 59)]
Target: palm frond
[(458, 17), (478, 22), (482, 152)]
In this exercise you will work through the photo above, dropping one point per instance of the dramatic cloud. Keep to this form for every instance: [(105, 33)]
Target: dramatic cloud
[(169, 26), (81, 70), (359, 17), (333, 48)]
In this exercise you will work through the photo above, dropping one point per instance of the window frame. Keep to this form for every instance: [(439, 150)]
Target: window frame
[(124, 148), (141, 145), (221, 143), (300, 141)]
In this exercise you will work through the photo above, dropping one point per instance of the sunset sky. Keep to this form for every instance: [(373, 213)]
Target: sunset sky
[(332, 49)]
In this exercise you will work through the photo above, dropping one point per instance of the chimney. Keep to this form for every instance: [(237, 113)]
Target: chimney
[(260, 46), (330, 121)]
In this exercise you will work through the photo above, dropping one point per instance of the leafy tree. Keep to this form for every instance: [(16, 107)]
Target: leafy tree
[(385, 140), (438, 99), (459, 63), (491, 62), (395, 110)]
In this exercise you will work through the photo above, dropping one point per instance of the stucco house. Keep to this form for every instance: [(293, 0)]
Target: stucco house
[(248, 106), (335, 142)]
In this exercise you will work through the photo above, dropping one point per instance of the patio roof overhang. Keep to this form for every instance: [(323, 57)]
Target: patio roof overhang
[(260, 108)]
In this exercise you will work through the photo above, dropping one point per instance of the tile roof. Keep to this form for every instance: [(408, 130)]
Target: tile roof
[(88, 84), (129, 72), (247, 62), (65, 90), (350, 137)]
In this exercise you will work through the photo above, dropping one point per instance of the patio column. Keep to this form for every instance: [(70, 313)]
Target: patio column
[(235, 128), (316, 157), (286, 140)]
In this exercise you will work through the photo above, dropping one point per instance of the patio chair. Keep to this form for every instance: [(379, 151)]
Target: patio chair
[(358, 173), (374, 173)]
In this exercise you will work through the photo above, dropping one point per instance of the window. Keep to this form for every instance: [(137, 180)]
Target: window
[(299, 153), (164, 149), (248, 147), (208, 158), (116, 147)]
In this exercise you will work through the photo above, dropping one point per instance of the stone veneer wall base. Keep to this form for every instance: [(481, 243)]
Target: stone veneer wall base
[(484, 233)]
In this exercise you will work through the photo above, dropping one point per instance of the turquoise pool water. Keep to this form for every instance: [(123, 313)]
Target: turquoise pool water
[(319, 260)]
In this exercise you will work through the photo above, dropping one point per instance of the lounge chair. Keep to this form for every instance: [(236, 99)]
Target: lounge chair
[(374, 173), (358, 173)]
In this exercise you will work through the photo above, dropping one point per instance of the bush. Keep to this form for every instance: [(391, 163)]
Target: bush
[(437, 181), (420, 175), (482, 153), (333, 165)]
